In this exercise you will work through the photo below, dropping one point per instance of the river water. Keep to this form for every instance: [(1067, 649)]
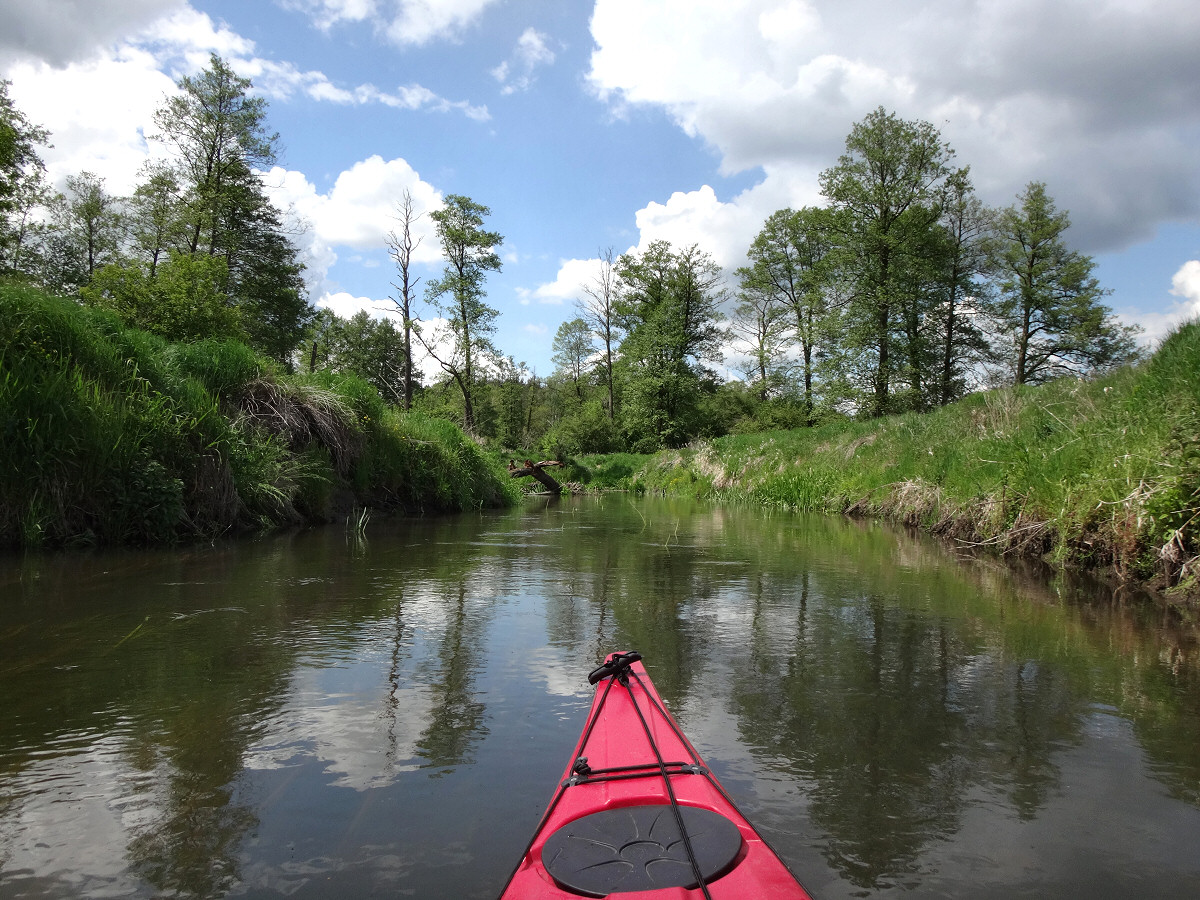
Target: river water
[(313, 715)]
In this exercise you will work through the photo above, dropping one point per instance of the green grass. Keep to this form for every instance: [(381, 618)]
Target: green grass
[(1102, 474), (113, 435)]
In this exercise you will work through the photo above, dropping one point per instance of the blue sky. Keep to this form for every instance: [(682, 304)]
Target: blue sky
[(587, 125)]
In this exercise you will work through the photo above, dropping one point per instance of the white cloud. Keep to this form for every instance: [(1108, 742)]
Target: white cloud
[(60, 32), (421, 21), (283, 81), (68, 85), (87, 131), (403, 22), (327, 13), (1185, 284), (358, 211), (1098, 100), (573, 276), (517, 73)]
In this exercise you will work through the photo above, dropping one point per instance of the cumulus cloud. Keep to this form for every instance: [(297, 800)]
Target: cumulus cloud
[(1096, 99), (573, 276), (358, 211), (517, 72), (60, 32)]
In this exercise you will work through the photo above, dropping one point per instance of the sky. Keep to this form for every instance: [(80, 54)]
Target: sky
[(592, 124)]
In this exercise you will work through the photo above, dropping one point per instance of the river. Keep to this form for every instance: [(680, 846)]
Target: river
[(315, 715)]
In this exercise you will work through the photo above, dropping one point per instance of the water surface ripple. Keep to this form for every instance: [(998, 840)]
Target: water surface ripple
[(305, 715)]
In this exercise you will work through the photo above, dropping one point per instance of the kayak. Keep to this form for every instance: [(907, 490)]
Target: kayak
[(638, 814)]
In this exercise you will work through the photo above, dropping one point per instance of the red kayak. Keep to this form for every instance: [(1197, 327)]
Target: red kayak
[(637, 813)]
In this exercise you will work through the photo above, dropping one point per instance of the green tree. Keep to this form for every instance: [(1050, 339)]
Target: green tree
[(760, 326), (887, 190), (22, 182), (573, 351), (669, 308), (372, 349), (218, 135), (1050, 305), (87, 231), (156, 222), (459, 295), (964, 299), (791, 268), (184, 300)]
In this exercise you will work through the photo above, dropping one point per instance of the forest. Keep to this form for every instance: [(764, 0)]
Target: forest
[(904, 292)]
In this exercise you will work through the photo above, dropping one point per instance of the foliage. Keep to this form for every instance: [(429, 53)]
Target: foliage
[(114, 435), (790, 277), (1050, 301), (22, 186), (470, 254), (669, 308), (885, 190), (373, 349), (573, 350), (184, 300)]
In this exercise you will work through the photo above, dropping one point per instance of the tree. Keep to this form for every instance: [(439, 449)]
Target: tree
[(598, 311), (470, 254), (887, 190), (669, 308), (156, 223), (220, 141), (401, 247), (362, 345), (964, 295), (760, 325), (1050, 303), (573, 350), (87, 232), (183, 301), (791, 269), (219, 135), (22, 181)]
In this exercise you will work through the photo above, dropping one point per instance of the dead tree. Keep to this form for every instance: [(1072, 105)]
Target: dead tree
[(537, 470)]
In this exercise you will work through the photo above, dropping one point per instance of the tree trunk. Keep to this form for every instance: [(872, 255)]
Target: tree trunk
[(537, 470)]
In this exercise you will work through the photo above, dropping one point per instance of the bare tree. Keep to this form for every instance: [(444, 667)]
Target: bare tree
[(597, 311), (401, 246)]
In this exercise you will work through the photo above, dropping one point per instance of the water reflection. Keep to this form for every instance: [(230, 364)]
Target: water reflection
[(306, 715)]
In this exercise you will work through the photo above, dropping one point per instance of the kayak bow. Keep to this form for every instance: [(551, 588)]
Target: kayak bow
[(637, 813)]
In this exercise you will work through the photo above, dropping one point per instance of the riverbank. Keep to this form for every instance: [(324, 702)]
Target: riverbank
[(1103, 475), (112, 435)]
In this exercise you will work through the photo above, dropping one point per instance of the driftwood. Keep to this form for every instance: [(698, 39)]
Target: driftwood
[(537, 470)]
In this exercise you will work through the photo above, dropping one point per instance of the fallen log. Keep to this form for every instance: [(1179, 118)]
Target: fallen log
[(536, 470)]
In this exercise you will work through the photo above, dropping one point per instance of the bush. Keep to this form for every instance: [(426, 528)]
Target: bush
[(114, 435)]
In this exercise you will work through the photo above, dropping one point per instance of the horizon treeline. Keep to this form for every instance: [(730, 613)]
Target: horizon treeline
[(904, 292)]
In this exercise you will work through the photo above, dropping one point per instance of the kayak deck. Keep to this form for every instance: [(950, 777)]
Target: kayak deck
[(637, 813)]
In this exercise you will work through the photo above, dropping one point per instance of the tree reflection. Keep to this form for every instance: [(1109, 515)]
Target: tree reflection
[(889, 715), (455, 723)]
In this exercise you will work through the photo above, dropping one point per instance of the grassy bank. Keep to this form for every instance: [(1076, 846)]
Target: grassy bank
[(1101, 474), (112, 435)]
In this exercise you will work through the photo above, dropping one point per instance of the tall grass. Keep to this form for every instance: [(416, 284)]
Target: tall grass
[(112, 435), (1103, 474)]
